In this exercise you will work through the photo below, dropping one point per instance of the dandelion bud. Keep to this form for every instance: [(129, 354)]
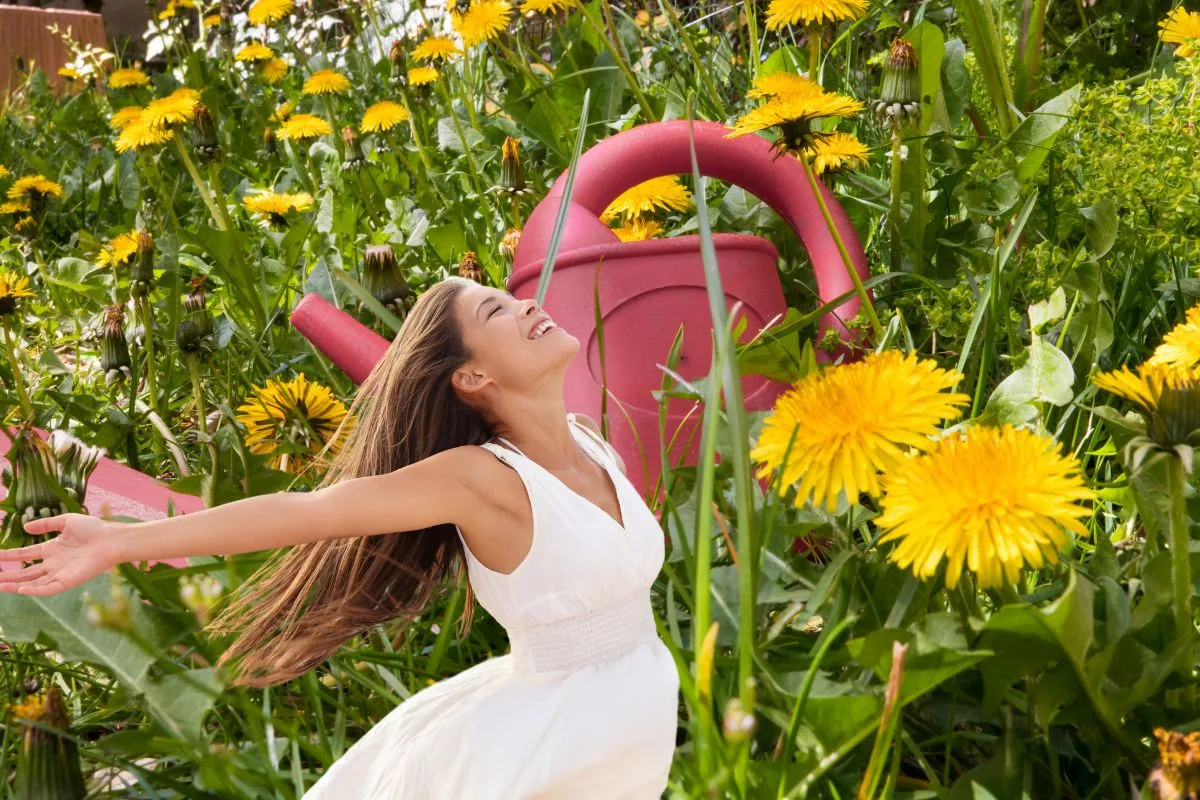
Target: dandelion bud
[(512, 173), (114, 350), (1177, 773), (469, 267), (33, 479), (396, 53), (207, 147), (508, 245), (899, 103), (354, 155), (141, 275), (269, 149), (48, 762), (385, 280), (74, 460), (113, 614), (193, 333), (736, 724), (328, 681)]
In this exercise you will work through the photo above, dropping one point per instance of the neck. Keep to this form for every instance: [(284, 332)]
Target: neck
[(537, 424)]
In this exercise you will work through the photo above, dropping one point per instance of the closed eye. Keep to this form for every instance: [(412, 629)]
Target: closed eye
[(492, 312)]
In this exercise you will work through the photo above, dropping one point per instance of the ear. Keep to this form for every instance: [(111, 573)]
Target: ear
[(470, 380)]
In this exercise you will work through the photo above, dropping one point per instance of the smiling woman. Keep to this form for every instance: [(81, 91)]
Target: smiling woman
[(465, 450)]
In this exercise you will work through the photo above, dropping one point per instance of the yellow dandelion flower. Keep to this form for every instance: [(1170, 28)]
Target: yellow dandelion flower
[(1146, 387), (212, 20), (638, 230), (3, 172), (483, 21), (783, 84), (33, 187), (991, 501), (127, 77), (272, 208), (304, 126), (124, 117), (255, 51), (1182, 28), (812, 12), (795, 108), (794, 114), (326, 81), (666, 193), (836, 152), (294, 421), (24, 224), (1180, 348), (1167, 396), (274, 71), (282, 111), (12, 288), (139, 134), (846, 424), (264, 12), (435, 48), (548, 6), (174, 109), (419, 76), (119, 250), (70, 73), (14, 207), (382, 116)]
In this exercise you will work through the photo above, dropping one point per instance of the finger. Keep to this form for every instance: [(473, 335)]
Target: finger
[(23, 553), (42, 586), (46, 524), (22, 575)]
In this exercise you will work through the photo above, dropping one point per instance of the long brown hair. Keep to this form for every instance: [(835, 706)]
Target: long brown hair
[(305, 601)]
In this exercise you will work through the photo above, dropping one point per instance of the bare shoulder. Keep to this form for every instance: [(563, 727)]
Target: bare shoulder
[(491, 485)]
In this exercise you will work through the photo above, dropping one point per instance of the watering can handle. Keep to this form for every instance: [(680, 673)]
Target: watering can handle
[(653, 150)]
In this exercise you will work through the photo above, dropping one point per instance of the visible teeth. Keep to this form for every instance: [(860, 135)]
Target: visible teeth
[(541, 328)]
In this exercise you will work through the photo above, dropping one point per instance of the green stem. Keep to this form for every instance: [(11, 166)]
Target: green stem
[(619, 57), (193, 366), (752, 34), (205, 194), (337, 132), (18, 381), (859, 288), (144, 312), (462, 137), (1181, 568), (814, 52), (894, 209)]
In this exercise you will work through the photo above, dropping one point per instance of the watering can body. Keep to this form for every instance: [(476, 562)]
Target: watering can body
[(648, 290)]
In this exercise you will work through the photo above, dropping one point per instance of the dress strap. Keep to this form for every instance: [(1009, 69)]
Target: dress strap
[(605, 448)]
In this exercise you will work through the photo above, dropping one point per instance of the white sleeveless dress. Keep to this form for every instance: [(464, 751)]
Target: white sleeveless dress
[(584, 706)]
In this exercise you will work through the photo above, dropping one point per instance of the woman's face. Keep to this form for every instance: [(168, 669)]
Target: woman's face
[(513, 343)]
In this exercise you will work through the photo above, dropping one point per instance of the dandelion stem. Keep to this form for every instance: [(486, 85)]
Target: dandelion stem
[(462, 137), (867, 306), (895, 208), (18, 381), (205, 194), (1181, 568), (752, 34), (144, 312), (814, 52), (202, 423)]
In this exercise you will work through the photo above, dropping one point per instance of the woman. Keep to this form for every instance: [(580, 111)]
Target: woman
[(466, 448)]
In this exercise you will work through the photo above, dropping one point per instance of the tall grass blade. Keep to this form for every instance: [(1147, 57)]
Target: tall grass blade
[(564, 206)]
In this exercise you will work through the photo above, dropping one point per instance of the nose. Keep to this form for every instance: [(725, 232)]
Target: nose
[(531, 307)]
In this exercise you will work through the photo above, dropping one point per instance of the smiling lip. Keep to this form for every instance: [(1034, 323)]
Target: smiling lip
[(541, 328)]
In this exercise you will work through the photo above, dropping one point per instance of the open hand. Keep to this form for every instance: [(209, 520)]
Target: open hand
[(82, 550)]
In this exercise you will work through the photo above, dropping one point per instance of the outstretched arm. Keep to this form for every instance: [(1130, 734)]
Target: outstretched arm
[(438, 490)]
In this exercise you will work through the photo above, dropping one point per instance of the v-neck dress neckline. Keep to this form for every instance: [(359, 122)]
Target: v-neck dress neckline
[(598, 459)]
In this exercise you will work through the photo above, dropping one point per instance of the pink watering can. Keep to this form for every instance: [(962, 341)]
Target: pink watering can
[(647, 289)]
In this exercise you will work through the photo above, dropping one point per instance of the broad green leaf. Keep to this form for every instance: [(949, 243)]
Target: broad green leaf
[(956, 82), (777, 356), (62, 619), (1046, 377), (1101, 226), (448, 138), (1033, 139), (929, 43)]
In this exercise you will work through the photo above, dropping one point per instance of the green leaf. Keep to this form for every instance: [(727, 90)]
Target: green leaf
[(776, 352), (956, 82), (62, 618), (448, 138), (324, 220), (1033, 139), (1046, 377), (1101, 226), (929, 43)]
